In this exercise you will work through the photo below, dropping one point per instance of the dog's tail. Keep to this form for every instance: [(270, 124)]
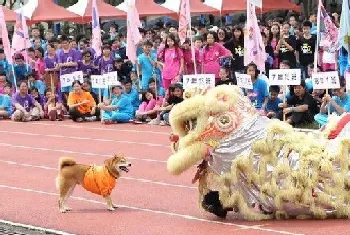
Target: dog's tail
[(66, 161)]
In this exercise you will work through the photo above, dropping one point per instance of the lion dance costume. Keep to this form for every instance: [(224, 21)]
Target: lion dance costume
[(258, 167)]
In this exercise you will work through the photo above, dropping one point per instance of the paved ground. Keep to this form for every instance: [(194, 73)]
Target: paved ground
[(16, 230), (151, 201)]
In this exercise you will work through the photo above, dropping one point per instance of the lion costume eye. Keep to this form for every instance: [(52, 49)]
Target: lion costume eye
[(226, 122)]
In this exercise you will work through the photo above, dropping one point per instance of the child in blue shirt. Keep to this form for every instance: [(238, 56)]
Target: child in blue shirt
[(148, 63), (22, 69), (132, 94), (259, 94), (38, 84), (5, 106), (272, 108)]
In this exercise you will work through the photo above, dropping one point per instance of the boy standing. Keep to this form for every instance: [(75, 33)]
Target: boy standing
[(147, 62), (305, 48)]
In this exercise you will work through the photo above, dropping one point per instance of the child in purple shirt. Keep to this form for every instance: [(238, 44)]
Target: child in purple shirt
[(25, 106), (67, 60)]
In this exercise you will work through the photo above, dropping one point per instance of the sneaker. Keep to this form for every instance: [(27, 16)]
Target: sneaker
[(154, 122), (91, 119), (162, 123)]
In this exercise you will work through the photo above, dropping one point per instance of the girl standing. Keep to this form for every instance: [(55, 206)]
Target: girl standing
[(212, 52), (236, 46), (173, 59)]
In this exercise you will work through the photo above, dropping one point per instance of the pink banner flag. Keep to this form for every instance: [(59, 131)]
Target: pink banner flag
[(5, 37), (96, 43), (254, 50), (133, 34), (184, 20), (20, 39)]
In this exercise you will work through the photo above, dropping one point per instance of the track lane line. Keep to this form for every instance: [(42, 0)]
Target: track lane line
[(147, 181), (85, 138), (183, 216), (2, 144), (91, 128), (35, 228)]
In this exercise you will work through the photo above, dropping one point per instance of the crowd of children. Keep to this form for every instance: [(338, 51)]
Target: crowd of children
[(152, 86)]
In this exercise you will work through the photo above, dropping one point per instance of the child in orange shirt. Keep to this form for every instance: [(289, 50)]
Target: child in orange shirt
[(82, 105)]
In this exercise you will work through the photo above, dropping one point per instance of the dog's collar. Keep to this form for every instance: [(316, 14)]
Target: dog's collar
[(112, 174)]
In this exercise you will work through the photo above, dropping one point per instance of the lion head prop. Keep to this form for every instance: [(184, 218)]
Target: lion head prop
[(250, 160)]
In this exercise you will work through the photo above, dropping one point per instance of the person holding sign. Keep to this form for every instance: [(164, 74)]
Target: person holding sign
[(301, 106), (67, 59), (81, 104), (259, 94), (272, 107), (339, 104), (120, 110)]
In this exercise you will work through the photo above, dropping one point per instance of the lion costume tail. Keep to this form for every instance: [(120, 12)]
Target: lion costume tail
[(66, 161)]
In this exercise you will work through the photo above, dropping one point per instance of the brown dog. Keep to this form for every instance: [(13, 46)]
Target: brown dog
[(96, 179)]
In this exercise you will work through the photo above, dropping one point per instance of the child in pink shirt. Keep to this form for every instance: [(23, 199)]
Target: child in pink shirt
[(173, 60), (212, 52), (146, 109), (189, 63)]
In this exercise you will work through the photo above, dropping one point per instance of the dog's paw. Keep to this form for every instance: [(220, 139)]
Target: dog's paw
[(67, 209), (111, 209), (63, 210), (115, 206)]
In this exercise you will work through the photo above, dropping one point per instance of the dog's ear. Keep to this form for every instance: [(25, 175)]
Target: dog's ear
[(109, 161), (116, 157), (119, 156)]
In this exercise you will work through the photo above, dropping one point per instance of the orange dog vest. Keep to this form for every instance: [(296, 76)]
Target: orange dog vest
[(99, 181)]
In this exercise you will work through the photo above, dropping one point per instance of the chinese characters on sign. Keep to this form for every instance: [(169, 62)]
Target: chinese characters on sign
[(283, 77), (244, 81), (104, 81), (68, 79), (200, 81), (325, 80)]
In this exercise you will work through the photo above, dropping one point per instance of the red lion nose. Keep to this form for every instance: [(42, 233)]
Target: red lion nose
[(174, 138)]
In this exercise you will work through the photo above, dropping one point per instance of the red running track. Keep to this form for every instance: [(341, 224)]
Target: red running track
[(151, 201)]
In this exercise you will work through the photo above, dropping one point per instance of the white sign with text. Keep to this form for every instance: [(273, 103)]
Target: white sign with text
[(200, 81), (104, 81), (244, 81), (112, 79), (284, 77), (68, 79), (98, 81), (325, 80)]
